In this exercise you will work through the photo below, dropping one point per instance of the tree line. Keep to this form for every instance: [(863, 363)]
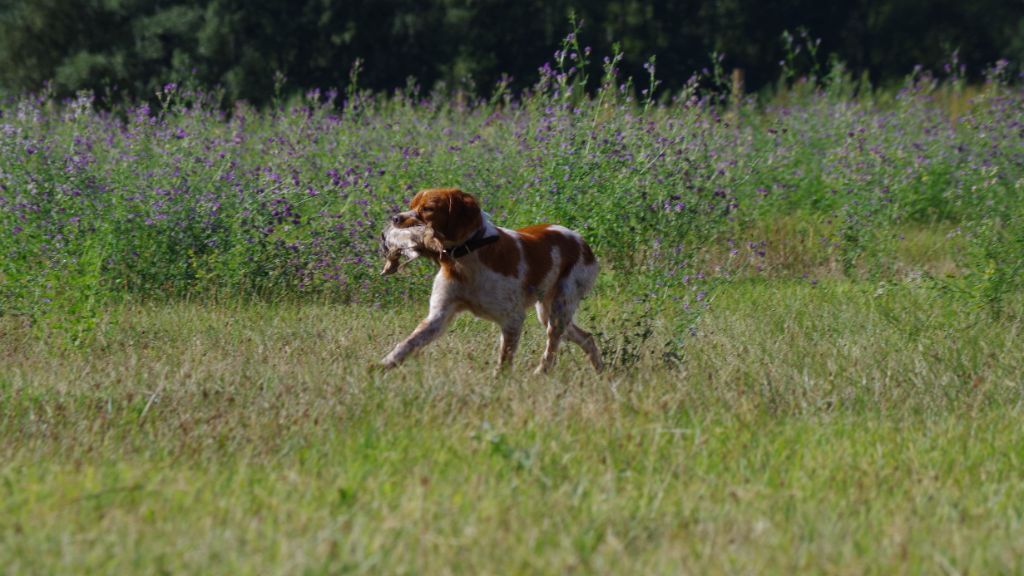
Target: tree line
[(255, 49)]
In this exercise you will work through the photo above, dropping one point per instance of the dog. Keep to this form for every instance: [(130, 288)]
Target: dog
[(493, 272)]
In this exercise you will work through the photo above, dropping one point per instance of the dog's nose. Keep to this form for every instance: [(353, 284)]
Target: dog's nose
[(396, 219)]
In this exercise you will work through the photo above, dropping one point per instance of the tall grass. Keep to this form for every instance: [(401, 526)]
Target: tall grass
[(184, 199)]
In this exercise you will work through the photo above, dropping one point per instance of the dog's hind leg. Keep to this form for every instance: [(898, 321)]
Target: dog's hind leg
[(557, 317), (585, 340), (555, 332)]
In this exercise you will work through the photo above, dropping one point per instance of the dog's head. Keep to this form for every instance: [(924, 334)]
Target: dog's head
[(450, 215), (437, 219)]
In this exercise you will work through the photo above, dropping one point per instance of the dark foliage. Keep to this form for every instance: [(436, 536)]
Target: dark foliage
[(131, 47)]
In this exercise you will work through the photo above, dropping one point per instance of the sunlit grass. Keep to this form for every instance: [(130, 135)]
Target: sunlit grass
[(838, 427)]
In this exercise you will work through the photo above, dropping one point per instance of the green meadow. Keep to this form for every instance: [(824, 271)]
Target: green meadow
[(840, 428), (810, 302)]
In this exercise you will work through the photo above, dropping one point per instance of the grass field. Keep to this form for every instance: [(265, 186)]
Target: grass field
[(811, 303), (806, 430)]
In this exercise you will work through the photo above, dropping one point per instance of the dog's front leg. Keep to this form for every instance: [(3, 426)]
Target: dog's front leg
[(427, 331), (442, 309), (510, 331)]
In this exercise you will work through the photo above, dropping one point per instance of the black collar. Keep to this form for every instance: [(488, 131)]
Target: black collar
[(475, 242)]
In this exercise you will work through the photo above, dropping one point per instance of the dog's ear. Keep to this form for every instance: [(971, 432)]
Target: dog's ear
[(417, 200), (464, 217), (451, 214)]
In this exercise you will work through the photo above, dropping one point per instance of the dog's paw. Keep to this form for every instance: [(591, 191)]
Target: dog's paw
[(379, 367)]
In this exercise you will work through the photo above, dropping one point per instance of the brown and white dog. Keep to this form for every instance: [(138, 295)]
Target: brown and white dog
[(493, 272)]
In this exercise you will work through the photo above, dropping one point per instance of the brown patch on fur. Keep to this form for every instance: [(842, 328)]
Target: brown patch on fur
[(538, 241), (588, 255), (502, 256), (451, 269), (570, 252), (537, 253)]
